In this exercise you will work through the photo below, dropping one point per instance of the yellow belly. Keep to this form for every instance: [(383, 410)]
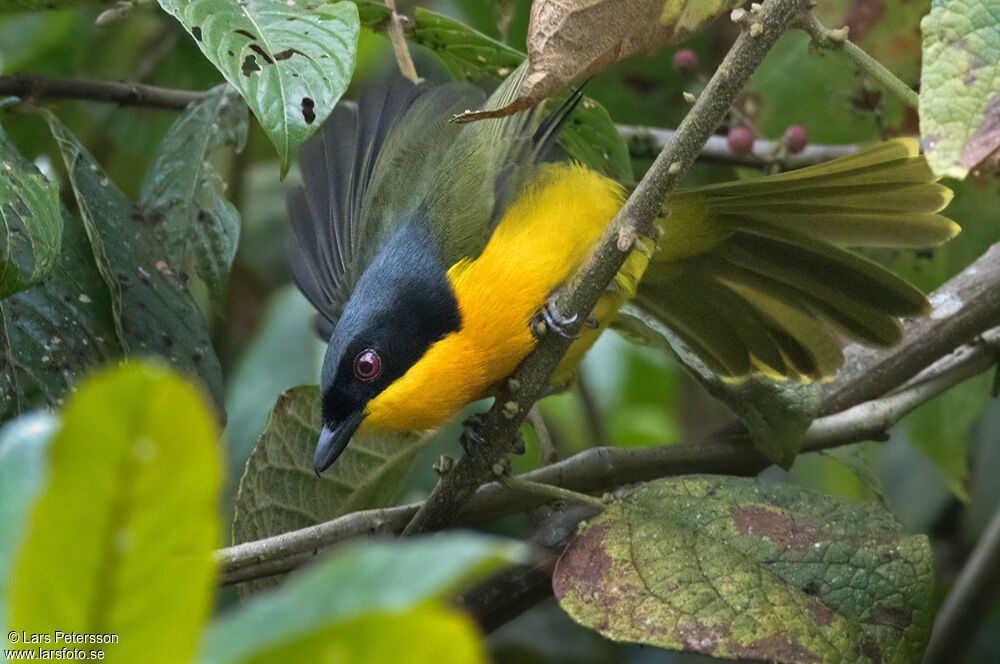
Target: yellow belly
[(538, 245)]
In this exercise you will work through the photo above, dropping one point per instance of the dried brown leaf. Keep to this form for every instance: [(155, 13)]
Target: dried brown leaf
[(571, 39)]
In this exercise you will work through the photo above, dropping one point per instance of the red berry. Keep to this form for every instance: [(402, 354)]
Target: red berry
[(795, 139), (740, 142), (686, 61)]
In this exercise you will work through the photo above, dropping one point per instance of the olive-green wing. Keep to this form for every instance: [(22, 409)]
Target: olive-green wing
[(486, 168)]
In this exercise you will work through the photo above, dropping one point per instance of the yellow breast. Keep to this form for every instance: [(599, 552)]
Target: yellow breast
[(539, 244)]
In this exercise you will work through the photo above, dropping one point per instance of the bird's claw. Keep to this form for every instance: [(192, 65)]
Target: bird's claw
[(549, 318), (472, 441)]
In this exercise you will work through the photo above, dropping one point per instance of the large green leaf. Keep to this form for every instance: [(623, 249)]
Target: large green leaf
[(941, 429), (51, 333), (153, 311), (590, 137), (738, 568), (120, 541), (830, 100), (290, 59), (280, 492), (182, 194), (23, 448), (960, 84), (285, 352), (31, 223), (372, 579)]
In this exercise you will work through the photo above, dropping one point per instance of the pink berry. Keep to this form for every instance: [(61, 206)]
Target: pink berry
[(795, 139), (740, 142), (686, 61)]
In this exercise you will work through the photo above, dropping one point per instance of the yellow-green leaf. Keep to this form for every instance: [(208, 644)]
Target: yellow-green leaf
[(120, 540), (312, 614)]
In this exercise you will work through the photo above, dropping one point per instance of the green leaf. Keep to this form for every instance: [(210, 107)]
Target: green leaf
[(32, 223), (830, 100), (941, 429), (120, 541), (738, 568), (182, 194), (153, 311), (590, 137), (23, 448), (291, 60), (370, 579), (280, 492), (960, 85), (777, 413), (51, 333)]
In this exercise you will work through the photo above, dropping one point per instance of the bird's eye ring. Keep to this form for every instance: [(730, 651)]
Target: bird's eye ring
[(368, 365)]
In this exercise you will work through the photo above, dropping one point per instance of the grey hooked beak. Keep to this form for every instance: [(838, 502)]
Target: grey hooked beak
[(333, 441)]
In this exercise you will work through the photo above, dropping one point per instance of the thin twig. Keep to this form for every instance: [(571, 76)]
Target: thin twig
[(398, 39), (635, 220), (123, 93), (591, 412), (836, 40), (545, 445), (646, 142), (969, 601), (549, 492), (643, 142)]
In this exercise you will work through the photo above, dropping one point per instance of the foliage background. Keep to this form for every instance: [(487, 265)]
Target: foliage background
[(629, 395)]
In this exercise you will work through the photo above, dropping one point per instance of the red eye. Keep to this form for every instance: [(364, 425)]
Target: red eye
[(368, 365)]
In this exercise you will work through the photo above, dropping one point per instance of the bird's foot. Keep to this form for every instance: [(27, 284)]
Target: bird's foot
[(548, 318), (472, 439)]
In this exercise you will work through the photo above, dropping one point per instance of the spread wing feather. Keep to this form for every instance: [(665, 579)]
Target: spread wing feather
[(396, 158)]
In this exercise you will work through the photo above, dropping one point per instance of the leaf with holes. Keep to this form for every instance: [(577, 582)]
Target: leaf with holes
[(52, 332), (280, 492), (153, 311), (743, 569), (290, 59), (182, 193), (32, 224), (377, 587), (960, 85), (120, 540)]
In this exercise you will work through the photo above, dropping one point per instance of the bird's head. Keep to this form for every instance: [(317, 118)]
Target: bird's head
[(401, 305)]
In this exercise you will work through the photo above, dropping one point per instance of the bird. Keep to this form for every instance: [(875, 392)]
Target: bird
[(431, 251)]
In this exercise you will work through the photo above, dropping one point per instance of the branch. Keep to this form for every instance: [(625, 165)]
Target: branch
[(644, 142), (123, 93), (500, 424), (606, 468), (963, 307), (836, 40), (969, 601)]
